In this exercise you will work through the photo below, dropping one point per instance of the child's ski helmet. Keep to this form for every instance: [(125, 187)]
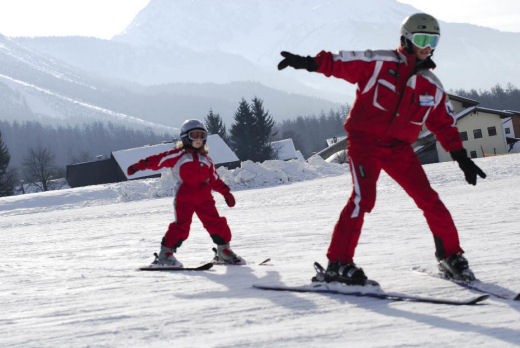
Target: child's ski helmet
[(187, 127)]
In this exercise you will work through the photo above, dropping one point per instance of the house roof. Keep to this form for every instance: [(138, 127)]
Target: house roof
[(467, 111), (465, 101), (285, 149), (501, 113), (513, 112), (219, 153)]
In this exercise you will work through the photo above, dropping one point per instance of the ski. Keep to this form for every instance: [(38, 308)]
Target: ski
[(476, 285), (265, 261), (153, 267), (328, 288), (216, 262)]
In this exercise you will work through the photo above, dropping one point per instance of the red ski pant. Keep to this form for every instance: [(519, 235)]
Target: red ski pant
[(179, 230), (401, 164)]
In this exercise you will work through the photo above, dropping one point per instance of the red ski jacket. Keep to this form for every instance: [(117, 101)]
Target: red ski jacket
[(394, 98), (195, 173)]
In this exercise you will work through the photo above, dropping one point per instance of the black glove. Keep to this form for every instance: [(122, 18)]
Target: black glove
[(297, 62), (469, 168)]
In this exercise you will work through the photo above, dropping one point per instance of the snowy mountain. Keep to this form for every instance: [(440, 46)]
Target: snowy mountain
[(36, 86), (259, 29), (237, 40), (68, 264)]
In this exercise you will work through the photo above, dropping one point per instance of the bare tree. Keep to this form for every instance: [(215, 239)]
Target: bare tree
[(39, 168)]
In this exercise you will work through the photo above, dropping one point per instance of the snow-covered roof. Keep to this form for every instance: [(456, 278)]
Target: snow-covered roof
[(463, 100), (285, 149), (219, 153), (467, 111)]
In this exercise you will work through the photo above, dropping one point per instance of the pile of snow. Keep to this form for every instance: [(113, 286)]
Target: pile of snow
[(249, 175), (275, 172)]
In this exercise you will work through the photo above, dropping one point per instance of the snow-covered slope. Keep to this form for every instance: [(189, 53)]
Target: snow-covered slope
[(68, 260)]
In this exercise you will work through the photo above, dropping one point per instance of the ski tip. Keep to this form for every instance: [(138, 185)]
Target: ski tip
[(517, 297), (264, 262), (318, 267), (206, 266), (480, 298)]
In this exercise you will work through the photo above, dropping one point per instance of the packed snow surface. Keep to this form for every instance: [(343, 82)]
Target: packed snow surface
[(68, 264)]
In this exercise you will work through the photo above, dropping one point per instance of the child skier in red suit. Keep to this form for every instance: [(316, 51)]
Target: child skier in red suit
[(196, 177)]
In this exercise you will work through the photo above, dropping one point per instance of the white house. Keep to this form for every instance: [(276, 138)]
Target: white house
[(481, 130), (481, 133)]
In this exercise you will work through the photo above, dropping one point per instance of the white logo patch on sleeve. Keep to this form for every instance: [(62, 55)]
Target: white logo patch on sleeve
[(426, 100)]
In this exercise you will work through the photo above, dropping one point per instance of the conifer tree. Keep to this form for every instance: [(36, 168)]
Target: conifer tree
[(251, 133), (6, 179), (263, 129), (242, 131), (215, 125)]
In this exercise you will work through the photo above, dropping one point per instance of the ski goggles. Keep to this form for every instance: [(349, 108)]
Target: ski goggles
[(197, 134), (423, 40)]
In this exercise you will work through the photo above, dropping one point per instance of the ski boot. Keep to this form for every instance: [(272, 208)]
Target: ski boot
[(347, 273), (166, 258), (224, 254), (456, 267)]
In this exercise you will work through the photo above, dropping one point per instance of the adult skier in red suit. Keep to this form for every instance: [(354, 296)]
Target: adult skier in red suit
[(195, 176), (396, 95)]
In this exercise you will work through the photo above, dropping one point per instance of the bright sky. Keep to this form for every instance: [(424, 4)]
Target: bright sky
[(98, 18), (499, 14), (106, 18)]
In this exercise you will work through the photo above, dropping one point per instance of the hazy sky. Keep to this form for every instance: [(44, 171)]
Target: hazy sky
[(106, 18), (499, 14), (99, 18)]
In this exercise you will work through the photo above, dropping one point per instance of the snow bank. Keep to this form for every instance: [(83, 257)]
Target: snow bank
[(249, 175), (275, 172)]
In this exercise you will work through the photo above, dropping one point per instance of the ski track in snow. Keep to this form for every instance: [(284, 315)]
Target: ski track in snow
[(68, 264)]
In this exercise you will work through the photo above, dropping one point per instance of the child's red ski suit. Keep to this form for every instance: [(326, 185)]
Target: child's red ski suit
[(195, 176)]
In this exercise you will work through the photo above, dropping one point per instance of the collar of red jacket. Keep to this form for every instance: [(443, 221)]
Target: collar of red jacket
[(411, 59)]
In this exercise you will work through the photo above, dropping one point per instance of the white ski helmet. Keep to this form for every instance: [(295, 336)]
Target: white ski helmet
[(187, 127), (422, 23)]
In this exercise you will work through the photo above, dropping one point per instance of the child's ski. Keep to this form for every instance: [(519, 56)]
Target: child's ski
[(153, 267)]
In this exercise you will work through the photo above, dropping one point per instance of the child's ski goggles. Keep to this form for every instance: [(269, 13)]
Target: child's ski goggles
[(197, 134), (423, 40)]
